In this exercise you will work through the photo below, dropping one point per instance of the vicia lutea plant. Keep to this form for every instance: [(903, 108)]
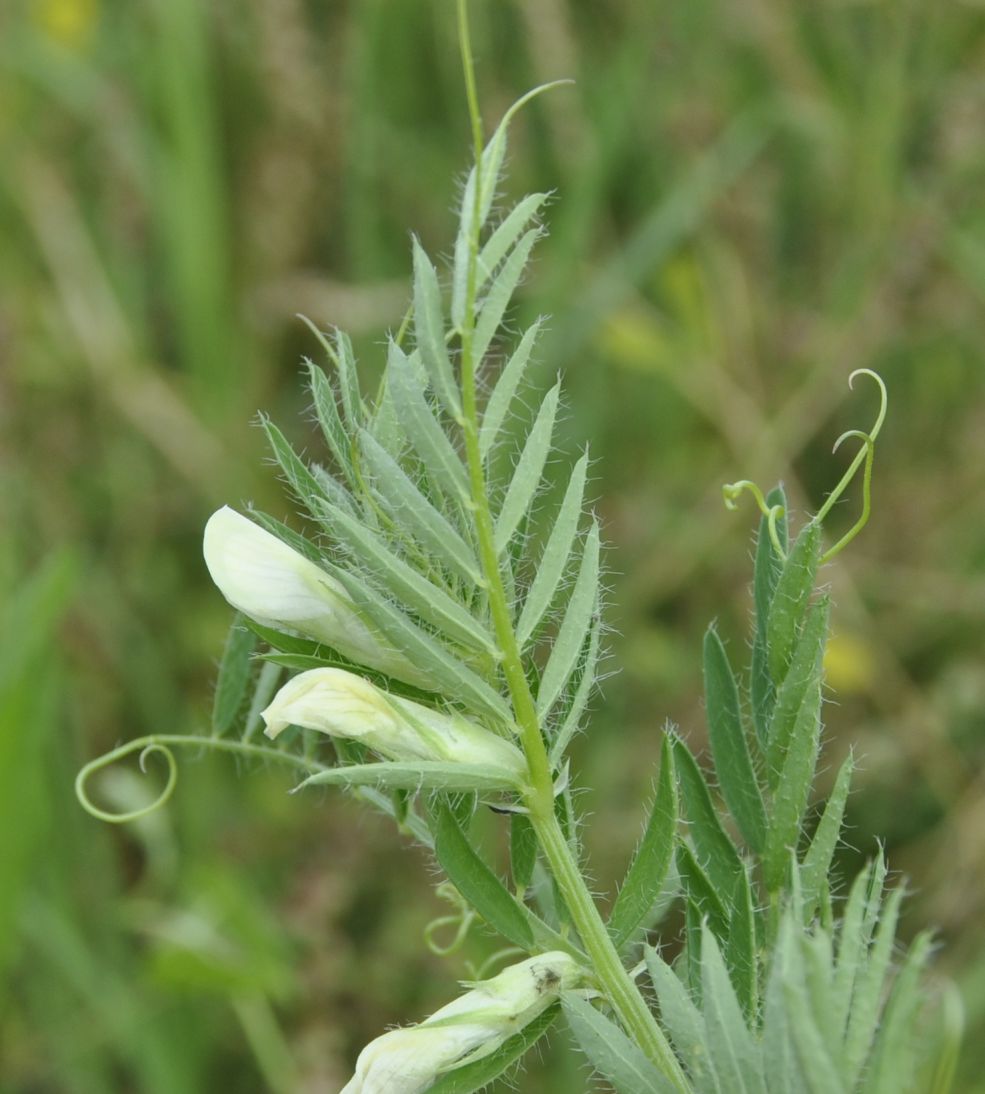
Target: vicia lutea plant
[(447, 648)]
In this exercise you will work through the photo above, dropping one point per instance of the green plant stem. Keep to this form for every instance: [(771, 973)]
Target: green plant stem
[(613, 979)]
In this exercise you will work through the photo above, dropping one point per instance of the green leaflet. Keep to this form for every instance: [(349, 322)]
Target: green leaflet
[(429, 326), (648, 870), (411, 508), (610, 1051), (505, 390), (478, 1075), (504, 236), (731, 1045), (579, 700), (793, 789), (869, 991), (523, 851), (469, 223), (529, 472), (428, 601), (858, 924), (779, 1056), (765, 573), (423, 430), (684, 1022), (741, 947), (817, 861), (797, 687), (714, 849), (323, 395), (500, 293), (452, 778), (819, 1072), (445, 672), (577, 620), (895, 1050), (701, 893), (342, 357), (553, 562), (476, 882), (306, 488), (793, 589), (729, 748), (235, 671)]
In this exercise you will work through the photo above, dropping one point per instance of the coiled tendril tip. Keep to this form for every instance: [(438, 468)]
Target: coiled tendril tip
[(866, 455)]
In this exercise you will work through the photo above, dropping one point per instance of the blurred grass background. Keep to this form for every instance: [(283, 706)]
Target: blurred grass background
[(752, 201)]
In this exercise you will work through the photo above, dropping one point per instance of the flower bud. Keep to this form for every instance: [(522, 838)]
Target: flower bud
[(408, 1061), (278, 587), (345, 705)]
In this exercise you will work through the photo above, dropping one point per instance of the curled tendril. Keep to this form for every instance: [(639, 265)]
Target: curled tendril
[(868, 453), (462, 920), (865, 455), (862, 455), (146, 746), (163, 744), (772, 513)]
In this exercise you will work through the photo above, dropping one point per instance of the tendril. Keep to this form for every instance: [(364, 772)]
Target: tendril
[(865, 456), (146, 746), (862, 455), (772, 513), (163, 745), (462, 919), (868, 453)]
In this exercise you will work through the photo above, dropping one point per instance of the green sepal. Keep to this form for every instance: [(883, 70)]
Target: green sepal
[(478, 1075)]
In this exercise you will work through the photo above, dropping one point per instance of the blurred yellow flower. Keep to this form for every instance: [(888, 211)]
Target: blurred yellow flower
[(849, 663), (68, 22)]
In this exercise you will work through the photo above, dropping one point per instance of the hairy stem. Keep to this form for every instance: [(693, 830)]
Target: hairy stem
[(613, 979)]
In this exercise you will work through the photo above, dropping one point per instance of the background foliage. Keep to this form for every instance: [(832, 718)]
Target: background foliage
[(751, 202)]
